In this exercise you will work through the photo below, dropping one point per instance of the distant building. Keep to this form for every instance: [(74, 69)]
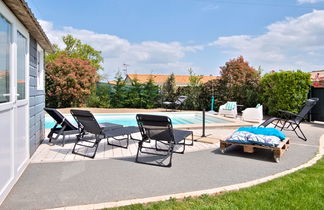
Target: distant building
[(317, 78), (112, 82), (159, 79)]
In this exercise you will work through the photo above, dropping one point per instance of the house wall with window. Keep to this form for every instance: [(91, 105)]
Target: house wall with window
[(36, 95)]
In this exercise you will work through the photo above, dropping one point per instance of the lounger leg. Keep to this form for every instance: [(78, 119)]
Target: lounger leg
[(276, 125), (63, 141), (138, 150), (50, 135), (303, 137), (61, 132), (159, 163), (116, 145), (52, 132), (95, 145), (192, 141)]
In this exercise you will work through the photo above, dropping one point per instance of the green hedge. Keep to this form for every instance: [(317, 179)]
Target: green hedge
[(136, 95), (285, 90)]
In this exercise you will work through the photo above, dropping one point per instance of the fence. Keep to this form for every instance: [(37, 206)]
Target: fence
[(317, 113)]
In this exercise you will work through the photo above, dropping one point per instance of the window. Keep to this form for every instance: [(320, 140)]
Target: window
[(40, 68), (21, 66), (5, 40)]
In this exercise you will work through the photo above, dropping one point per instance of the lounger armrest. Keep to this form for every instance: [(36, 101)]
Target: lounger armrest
[(287, 114)]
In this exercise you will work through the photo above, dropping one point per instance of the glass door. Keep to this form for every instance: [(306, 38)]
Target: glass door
[(6, 106), (21, 103)]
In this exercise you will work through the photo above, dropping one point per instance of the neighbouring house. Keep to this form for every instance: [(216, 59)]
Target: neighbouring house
[(317, 78), (22, 97), (112, 82), (159, 79)]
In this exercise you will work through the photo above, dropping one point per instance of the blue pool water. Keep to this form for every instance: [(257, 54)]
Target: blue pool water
[(130, 119)]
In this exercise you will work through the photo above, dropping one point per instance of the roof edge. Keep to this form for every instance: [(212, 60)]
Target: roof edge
[(24, 14)]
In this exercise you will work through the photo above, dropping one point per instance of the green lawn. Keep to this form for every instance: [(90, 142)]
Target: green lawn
[(303, 189)]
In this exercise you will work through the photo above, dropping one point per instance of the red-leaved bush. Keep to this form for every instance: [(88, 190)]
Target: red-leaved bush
[(69, 81)]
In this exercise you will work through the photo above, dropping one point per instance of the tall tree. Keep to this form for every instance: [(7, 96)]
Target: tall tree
[(119, 93), (150, 94), (169, 88), (83, 77), (239, 81), (76, 49), (195, 90)]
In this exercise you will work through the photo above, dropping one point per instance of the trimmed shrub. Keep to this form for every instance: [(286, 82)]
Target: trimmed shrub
[(285, 90)]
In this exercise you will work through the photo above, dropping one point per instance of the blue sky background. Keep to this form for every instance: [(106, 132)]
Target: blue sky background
[(173, 35)]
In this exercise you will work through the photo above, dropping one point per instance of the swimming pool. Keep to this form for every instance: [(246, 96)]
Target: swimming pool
[(130, 119)]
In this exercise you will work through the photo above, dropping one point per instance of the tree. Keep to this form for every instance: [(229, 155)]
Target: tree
[(81, 57), (239, 82), (150, 94), (119, 94), (76, 49), (194, 91), (100, 96), (69, 81), (134, 97), (169, 88)]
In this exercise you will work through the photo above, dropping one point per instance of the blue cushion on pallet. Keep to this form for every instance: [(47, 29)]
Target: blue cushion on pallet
[(264, 131)]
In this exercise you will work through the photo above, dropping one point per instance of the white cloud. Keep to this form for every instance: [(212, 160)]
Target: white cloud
[(295, 43), (309, 1), (143, 57)]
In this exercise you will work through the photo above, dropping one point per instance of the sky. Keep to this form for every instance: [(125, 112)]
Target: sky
[(171, 36)]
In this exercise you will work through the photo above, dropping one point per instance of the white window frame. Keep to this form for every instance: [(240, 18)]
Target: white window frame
[(10, 62), (40, 76), (16, 25)]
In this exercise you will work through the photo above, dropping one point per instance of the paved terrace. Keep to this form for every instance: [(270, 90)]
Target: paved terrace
[(61, 184), (57, 153)]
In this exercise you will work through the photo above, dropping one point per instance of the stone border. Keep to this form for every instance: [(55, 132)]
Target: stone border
[(218, 190)]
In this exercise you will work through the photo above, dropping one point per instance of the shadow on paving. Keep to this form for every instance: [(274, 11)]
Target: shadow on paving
[(50, 185)]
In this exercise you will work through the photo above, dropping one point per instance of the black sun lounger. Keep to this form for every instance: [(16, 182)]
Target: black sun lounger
[(159, 129), (62, 127), (176, 104), (291, 121), (89, 124)]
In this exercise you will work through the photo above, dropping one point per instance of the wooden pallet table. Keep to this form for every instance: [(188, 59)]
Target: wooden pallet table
[(278, 151)]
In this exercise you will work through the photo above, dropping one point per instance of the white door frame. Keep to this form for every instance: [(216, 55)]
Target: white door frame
[(13, 104)]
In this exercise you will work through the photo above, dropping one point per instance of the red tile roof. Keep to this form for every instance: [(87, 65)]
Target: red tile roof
[(161, 78)]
